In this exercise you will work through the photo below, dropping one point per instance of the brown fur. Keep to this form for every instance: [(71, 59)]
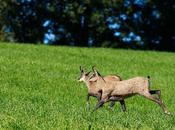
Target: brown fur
[(125, 88), (94, 89)]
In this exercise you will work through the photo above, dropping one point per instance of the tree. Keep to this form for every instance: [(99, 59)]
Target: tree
[(134, 24)]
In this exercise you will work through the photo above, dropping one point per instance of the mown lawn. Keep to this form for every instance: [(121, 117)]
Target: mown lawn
[(39, 90)]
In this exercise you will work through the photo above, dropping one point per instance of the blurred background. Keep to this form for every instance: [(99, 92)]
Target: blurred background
[(135, 24)]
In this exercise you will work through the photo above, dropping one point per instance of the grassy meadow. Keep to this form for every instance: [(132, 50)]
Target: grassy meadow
[(39, 88)]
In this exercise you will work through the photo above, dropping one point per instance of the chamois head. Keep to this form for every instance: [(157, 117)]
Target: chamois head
[(84, 76)]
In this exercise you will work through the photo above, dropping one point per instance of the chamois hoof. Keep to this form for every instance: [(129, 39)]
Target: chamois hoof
[(167, 112)]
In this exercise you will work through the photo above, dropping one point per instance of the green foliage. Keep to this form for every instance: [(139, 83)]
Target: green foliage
[(84, 23), (38, 88)]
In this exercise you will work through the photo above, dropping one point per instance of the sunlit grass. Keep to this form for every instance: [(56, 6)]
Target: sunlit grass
[(38, 88)]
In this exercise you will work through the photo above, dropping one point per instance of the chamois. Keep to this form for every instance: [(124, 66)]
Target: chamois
[(95, 91), (126, 88)]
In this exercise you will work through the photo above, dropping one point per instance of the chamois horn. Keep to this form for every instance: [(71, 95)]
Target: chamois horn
[(81, 68)]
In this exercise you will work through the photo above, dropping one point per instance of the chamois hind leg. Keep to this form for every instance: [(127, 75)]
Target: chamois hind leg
[(111, 104), (120, 99), (113, 100), (158, 92), (156, 100), (123, 106)]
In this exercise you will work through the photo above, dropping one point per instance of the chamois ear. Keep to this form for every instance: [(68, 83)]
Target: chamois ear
[(93, 79), (95, 71)]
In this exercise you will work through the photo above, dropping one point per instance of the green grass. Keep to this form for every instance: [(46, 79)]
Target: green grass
[(39, 91)]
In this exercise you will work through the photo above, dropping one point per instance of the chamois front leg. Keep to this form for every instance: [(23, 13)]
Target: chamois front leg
[(98, 98), (99, 95), (98, 105), (87, 101), (102, 101)]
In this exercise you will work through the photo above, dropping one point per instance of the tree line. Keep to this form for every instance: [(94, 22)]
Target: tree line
[(137, 24)]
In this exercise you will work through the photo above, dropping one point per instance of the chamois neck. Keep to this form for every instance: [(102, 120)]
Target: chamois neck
[(87, 83)]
